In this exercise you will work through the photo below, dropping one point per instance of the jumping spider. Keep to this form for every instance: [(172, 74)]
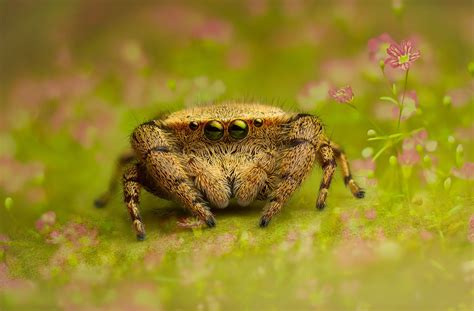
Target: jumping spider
[(204, 156)]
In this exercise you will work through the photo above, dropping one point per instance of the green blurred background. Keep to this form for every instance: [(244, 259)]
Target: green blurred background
[(77, 76)]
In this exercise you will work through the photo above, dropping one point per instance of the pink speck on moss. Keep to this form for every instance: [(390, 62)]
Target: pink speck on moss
[(371, 214), (347, 216), (9, 283), (354, 252), (4, 241), (159, 248), (470, 234), (55, 237), (46, 221), (189, 223), (426, 235), (134, 295), (80, 234)]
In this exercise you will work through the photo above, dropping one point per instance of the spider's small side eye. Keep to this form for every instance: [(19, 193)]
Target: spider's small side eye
[(258, 122), (193, 125), (214, 130)]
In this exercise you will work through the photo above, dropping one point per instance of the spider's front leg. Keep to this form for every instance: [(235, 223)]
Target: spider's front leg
[(328, 164), (298, 152), (154, 147)]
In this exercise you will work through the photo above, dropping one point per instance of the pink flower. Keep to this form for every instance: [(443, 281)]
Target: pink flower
[(216, 30), (462, 96), (342, 95), (363, 165), (378, 46), (466, 172), (313, 93), (46, 221), (402, 55), (409, 106), (408, 157)]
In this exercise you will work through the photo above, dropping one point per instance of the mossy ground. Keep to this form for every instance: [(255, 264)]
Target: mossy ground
[(79, 76)]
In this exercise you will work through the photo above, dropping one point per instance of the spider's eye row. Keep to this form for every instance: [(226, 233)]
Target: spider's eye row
[(258, 122), (193, 125), (238, 129), (214, 130)]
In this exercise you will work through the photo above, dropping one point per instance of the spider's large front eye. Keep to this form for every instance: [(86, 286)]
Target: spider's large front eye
[(214, 130), (238, 129)]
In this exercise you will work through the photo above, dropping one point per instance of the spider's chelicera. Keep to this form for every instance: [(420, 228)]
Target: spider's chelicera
[(202, 157)]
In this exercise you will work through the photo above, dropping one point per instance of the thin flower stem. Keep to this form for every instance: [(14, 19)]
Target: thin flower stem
[(367, 118), (403, 100), (390, 86)]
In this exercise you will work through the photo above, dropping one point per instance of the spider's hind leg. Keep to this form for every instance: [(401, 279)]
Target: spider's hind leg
[(356, 191), (123, 161)]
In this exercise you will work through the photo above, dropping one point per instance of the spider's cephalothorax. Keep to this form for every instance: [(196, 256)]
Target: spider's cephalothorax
[(202, 157)]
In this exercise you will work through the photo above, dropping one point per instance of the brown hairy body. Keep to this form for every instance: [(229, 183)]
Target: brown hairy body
[(202, 157)]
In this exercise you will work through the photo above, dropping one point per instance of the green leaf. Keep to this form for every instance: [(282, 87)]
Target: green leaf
[(382, 150), (390, 99)]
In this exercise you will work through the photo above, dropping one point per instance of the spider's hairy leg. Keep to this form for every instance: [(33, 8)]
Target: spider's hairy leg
[(357, 191), (298, 154), (328, 163), (131, 195), (156, 150), (208, 180), (251, 178), (122, 162)]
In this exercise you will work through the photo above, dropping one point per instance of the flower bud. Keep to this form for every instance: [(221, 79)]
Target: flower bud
[(367, 152), (8, 203), (451, 139), (427, 160), (470, 68), (393, 160), (447, 184), (447, 100), (371, 132)]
